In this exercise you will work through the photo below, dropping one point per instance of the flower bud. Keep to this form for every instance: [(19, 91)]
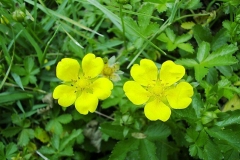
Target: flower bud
[(18, 15)]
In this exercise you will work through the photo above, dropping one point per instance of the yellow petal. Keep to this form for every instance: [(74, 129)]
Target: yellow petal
[(145, 73), (135, 92), (86, 102), (102, 88), (68, 69), (157, 110), (170, 73), (65, 94), (180, 96), (92, 66)]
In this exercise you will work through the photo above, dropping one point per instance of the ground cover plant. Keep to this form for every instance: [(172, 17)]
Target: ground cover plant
[(119, 79)]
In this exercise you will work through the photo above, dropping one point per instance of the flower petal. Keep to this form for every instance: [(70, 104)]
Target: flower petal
[(86, 102), (92, 66), (102, 88), (135, 92), (68, 69), (170, 73), (145, 73), (65, 94), (155, 110), (180, 96)]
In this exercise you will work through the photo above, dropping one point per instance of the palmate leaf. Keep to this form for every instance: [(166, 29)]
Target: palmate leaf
[(187, 62), (203, 51), (219, 61), (232, 118), (147, 150), (200, 72), (122, 148), (157, 131), (211, 151), (186, 47), (230, 137), (113, 131)]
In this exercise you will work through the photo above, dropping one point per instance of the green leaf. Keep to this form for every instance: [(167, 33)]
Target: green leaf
[(183, 38), (191, 135), (193, 4), (54, 126), (11, 131), (55, 142), (200, 72), (212, 76), (211, 151), (17, 79), (47, 150), (144, 18), (41, 135), (113, 131), (186, 62), (197, 104), (203, 51), (201, 34), (25, 137), (2, 154), (232, 118), (11, 150), (230, 137), (219, 61), (162, 149), (157, 131), (186, 47), (147, 150), (65, 118), (220, 39), (122, 148), (170, 34), (13, 96), (68, 139)]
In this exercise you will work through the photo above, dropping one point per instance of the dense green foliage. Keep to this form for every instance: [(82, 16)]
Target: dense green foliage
[(201, 35)]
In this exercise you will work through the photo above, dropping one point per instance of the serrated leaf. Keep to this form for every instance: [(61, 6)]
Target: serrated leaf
[(11, 150), (231, 155), (66, 140), (200, 72), (202, 138), (157, 131), (191, 135), (65, 118), (187, 25), (41, 135), (163, 37), (201, 34), (186, 47), (17, 79), (233, 118), (162, 149), (122, 148), (211, 151), (55, 141), (186, 62), (147, 150), (54, 126), (144, 18), (212, 61), (183, 38), (47, 150), (203, 51), (11, 131), (25, 136), (170, 34), (230, 137), (113, 131), (197, 104), (212, 76), (193, 4), (220, 39), (2, 154)]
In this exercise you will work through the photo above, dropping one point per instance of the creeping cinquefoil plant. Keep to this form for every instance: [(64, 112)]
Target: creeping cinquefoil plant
[(82, 84), (159, 90)]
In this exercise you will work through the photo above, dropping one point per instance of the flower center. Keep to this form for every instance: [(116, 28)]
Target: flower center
[(108, 71), (158, 91), (83, 84)]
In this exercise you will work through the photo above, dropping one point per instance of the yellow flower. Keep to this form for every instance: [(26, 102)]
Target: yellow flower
[(81, 84), (111, 70), (158, 90)]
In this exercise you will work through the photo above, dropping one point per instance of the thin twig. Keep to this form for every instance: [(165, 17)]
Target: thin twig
[(101, 114)]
